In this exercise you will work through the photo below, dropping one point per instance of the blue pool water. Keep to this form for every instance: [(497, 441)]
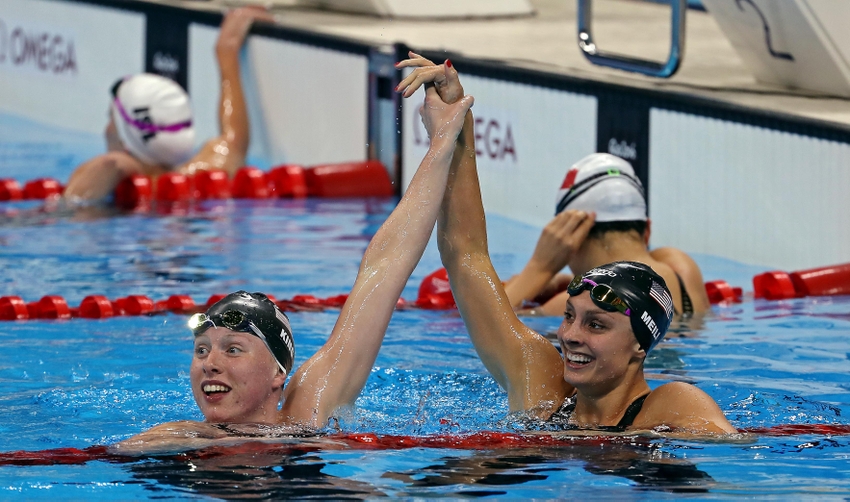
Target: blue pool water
[(80, 383)]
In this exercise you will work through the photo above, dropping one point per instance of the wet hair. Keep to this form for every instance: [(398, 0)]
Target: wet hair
[(601, 228)]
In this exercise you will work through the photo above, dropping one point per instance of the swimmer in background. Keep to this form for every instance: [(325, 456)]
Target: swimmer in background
[(615, 314), (150, 130), (243, 344), (601, 217)]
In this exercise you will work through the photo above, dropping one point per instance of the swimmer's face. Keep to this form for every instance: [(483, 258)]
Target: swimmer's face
[(113, 142), (235, 378), (599, 347)]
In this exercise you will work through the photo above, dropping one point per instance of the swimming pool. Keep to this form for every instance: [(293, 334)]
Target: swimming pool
[(80, 383)]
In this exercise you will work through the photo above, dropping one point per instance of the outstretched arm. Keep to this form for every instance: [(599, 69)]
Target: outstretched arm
[(525, 364), (228, 150), (335, 375)]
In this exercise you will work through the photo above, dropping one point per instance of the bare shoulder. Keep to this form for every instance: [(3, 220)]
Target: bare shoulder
[(682, 406), (679, 261), (688, 271)]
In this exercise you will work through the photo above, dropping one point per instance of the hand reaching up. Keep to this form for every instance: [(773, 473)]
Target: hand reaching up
[(444, 77), (235, 26), (443, 121)]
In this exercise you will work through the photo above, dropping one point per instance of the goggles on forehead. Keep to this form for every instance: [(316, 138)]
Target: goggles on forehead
[(602, 295), (233, 320)]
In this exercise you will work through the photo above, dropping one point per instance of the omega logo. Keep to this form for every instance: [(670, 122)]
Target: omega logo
[(42, 50), (494, 138)]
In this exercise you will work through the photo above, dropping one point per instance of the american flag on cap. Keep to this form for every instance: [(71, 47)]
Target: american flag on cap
[(662, 297)]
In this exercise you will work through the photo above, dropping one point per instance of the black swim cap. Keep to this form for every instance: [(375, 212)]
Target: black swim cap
[(269, 319), (646, 294)]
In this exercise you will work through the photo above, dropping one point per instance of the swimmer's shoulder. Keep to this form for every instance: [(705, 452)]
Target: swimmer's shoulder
[(688, 271), (682, 406), (679, 261)]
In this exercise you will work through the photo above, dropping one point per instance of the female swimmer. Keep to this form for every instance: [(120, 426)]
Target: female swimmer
[(243, 344), (150, 129), (616, 313)]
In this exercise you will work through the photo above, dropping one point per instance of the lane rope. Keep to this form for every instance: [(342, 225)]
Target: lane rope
[(485, 440)]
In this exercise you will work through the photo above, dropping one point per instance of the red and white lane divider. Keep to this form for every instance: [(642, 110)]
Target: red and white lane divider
[(349, 179)]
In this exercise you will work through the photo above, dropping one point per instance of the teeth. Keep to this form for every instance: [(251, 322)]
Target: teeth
[(578, 358), (215, 388)]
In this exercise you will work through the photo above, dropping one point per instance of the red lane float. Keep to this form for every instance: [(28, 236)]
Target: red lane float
[(13, 308), (134, 192), (823, 281), (250, 183), (96, 307), (435, 293), (352, 179), (10, 190), (42, 188), (212, 184), (721, 292), (172, 187), (288, 181)]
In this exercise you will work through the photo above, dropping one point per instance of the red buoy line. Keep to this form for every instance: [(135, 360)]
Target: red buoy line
[(137, 192), (434, 294), (14, 308), (484, 440)]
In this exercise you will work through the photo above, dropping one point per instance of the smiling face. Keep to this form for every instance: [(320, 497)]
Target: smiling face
[(235, 378), (600, 351)]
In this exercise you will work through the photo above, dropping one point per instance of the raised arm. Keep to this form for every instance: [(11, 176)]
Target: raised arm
[(335, 375), (228, 150), (524, 363)]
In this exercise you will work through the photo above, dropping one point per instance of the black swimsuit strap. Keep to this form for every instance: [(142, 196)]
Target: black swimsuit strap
[(687, 304), (565, 412), (632, 413)]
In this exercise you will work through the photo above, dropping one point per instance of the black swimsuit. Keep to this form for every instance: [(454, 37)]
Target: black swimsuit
[(562, 417), (687, 305)]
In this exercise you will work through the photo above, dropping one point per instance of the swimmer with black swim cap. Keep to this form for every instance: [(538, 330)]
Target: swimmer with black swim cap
[(243, 353), (615, 314), (243, 344)]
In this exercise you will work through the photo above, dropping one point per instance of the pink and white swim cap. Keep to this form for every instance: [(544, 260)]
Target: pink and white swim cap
[(153, 117), (605, 184)]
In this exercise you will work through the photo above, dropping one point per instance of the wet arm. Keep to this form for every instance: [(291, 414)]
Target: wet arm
[(335, 375), (97, 178), (228, 150), (525, 364)]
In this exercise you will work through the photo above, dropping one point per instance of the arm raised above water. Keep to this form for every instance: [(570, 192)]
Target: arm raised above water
[(524, 363), (335, 375), (228, 150)]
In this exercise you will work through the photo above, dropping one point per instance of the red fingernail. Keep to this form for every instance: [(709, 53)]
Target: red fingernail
[(449, 63)]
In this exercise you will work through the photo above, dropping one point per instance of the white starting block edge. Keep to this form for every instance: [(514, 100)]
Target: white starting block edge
[(427, 8)]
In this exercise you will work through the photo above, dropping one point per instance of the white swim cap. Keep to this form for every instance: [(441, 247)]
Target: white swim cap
[(153, 118), (605, 184)]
